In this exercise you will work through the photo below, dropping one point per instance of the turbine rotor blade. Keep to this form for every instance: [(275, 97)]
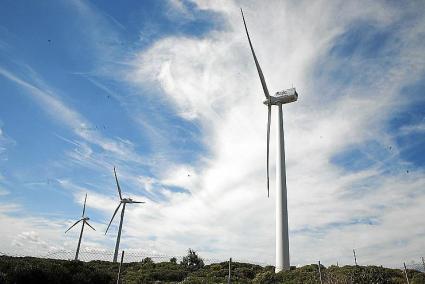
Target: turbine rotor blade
[(269, 112), (84, 208), (118, 185), (87, 223), (137, 202), (119, 205), (73, 225), (260, 72)]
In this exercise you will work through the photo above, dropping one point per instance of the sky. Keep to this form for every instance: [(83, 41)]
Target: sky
[(167, 92)]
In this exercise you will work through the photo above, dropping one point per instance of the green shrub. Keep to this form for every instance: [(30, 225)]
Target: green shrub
[(267, 277), (192, 261), (35, 270), (418, 278)]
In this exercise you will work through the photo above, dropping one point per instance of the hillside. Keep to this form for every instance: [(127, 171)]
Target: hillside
[(36, 270)]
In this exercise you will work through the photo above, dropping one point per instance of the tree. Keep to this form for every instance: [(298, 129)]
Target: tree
[(192, 261), (147, 260), (147, 263), (173, 260)]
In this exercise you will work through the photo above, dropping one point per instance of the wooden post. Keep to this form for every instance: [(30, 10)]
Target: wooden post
[(119, 268), (230, 269), (405, 273), (423, 263), (320, 274), (355, 258)]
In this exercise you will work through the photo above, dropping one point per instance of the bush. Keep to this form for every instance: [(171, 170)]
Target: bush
[(243, 273), (192, 270), (267, 277), (308, 274), (192, 261), (28, 274), (35, 270), (148, 273), (147, 262), (418, 278)]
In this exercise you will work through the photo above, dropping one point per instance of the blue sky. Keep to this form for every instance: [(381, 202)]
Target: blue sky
[(167, 92)]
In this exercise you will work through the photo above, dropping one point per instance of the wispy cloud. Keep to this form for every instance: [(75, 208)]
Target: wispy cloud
[(350, 86), (64, 114), (5, 143), (416, 128)]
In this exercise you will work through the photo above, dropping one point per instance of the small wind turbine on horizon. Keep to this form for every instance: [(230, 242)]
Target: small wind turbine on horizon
[(280, 98), (85, 222), (123, 201)]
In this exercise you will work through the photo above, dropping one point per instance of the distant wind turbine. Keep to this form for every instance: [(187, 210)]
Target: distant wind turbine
[(123, 201), (84, 219), (280, 98)]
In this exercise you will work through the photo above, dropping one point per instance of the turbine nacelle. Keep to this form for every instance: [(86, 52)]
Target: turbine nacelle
[(129, 200), (283, 97)]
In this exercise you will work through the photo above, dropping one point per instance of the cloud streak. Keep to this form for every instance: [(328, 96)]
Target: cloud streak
[(72, 119)]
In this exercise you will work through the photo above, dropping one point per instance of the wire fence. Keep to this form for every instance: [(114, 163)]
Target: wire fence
[(138, 256), (130, 256), (416, 266), (106, 256), (323, 275), (410, 272)]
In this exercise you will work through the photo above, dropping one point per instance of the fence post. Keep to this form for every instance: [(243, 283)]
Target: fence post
[(355, 258), (230, 269), (119, 268), (405, 273), (423, 263), (320, 274)]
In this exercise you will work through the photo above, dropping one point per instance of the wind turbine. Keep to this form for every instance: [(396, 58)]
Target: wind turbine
[(123, 201), (280, 98), (84, 219)]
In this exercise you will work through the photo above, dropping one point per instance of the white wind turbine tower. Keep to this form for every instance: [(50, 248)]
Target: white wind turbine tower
[(84, 219), (123, 201), (280, 98)]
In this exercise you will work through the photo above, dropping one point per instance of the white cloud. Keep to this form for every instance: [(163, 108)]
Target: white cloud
[(213, 80), (413, 129), (178, 10), (27, 235)]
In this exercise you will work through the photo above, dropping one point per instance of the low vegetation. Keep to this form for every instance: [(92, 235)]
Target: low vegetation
[(190, 270)]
